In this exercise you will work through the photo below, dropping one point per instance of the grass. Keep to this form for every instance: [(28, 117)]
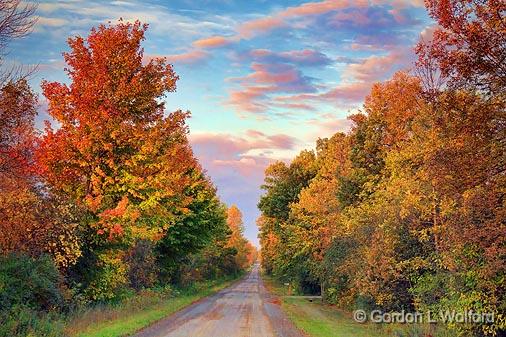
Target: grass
[(139, 311), (316, 319)]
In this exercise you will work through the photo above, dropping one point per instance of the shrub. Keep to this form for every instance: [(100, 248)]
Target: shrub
[(108, 282), (32, 282), (22, 321), (29, 286), (142, 268)]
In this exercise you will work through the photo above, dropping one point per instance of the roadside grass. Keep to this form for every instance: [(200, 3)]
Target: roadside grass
[(139, 311), (316, 319)]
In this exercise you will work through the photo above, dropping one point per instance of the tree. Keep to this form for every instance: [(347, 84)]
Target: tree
[(202, 226), (16, 20), (237, 239), (469, 44), (283, 184), (115, 153), (314, 219), (17, 133), (33, 220)]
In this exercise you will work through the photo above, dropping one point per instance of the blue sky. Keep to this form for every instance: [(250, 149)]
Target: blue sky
[(263, 79)]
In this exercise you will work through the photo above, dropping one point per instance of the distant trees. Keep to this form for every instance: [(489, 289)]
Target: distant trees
[(246, 253), (407, 210)]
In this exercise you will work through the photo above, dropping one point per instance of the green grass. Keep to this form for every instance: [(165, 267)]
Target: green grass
[(137, 312), (319, 320)]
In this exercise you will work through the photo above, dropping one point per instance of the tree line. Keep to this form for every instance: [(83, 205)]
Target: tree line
[(407, 210), (109, 199)]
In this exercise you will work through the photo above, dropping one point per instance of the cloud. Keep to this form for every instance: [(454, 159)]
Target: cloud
[(255, 27), (357, 80), (377, 67), (282, 86), (236, 165), (249, 98), (253, 94), (305, 57), (251, 28), (212, 42), (326, 126), (427, 33), (50, 22), (161, 20), (247, 155), (254, 133), (353, 92), (190, 57)]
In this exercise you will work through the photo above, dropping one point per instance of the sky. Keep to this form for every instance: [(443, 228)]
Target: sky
[(263, 79)]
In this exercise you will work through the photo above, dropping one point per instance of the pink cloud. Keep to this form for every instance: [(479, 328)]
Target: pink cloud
[(282, 141), (376, 67), (225, 145), (329, 125), (248, 98), (253, 94), (252, 28), (427, 33), (254, 133), (267, 86), (191, 57), (216, 151), (345, 92), (357, 17), (243, 166), (262, 74), (350, 92), (291, 106), (316, 8), (212, 42)]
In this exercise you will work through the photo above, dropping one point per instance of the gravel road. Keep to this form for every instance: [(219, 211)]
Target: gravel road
[(244, 309)]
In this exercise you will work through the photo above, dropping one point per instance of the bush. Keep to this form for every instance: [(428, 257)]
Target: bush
[(142, 268), (25, 322), (29, 286), (32, 282), (108, 282)]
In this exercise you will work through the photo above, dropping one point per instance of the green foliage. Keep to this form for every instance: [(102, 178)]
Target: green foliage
[(24, 322), (29, 288), (199, 227), (284, 183), (31, 282)]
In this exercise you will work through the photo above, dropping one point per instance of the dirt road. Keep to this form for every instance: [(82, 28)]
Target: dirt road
[(245, 309)]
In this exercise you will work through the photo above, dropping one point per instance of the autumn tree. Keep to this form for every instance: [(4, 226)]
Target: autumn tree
[(17, 133), (202, 226), (116, 153), (32, 219), (469, 43), (314, 219), (283, 184), (17, 142), (237, 239)]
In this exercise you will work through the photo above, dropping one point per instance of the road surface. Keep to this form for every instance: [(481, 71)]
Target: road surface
[(244, 309)]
